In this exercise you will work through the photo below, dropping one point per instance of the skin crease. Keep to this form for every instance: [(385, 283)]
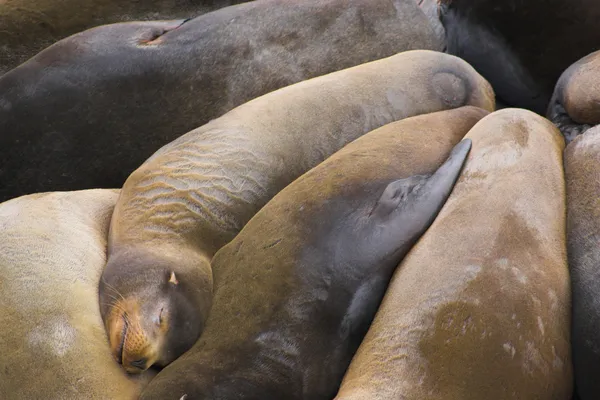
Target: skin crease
[(87, 111), (52, 251), (28, 26), (581, 172), (492, 319), (296, 290), (574, 106), (521, 46), (195, 194)]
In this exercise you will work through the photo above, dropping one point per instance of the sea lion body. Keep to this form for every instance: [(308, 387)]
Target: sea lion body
[(53, 344), (29, 26), (583, 222), (574, 105), (296, 290), (480, 307), (195, 194), (521, 47), (87, 111)]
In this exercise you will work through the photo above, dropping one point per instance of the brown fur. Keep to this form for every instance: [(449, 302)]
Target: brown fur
[(283, 285), (29, 26), (480, 307), (195, 194), (53, 345)]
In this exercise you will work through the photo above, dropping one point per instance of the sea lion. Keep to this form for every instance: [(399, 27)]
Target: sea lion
[(574, 107), (296, 290), (195, 194), (87, 111), (480, 307), (521, 47), (582, 158), (29, 26), (53, 344)]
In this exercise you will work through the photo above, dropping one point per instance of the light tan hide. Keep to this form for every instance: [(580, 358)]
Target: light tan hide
[(52, 341), (480, 307)]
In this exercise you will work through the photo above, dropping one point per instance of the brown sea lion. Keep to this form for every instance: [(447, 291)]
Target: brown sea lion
[(582, 168), (195, 194), (480, 307), (28, 26), (296, 290), (87, 111), (52, 340), (575, 105), (521, 47)]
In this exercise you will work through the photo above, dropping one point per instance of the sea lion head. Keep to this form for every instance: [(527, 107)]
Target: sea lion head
[(151, 312)]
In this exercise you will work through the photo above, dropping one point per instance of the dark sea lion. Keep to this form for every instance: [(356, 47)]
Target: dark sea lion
[(53, 344), (29, 26), (87, 111), (582, 168), (480, 307), (521, 47), (195, 194), (296, 290), (575, 104)]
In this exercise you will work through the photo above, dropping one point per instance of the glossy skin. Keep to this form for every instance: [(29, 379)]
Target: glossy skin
[(575, 103), (480, 307), (583, 219), (296, 290), (87, 111), (521, 47), (29, 26), (53, 344), (194, 195)]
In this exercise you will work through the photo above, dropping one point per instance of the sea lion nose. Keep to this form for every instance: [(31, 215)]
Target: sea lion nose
[(141, 363)]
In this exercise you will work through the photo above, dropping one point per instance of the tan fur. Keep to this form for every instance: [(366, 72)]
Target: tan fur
[(52, 341), (480, 307)]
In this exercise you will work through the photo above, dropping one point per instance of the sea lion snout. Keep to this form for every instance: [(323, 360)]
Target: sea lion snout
[(133, 345)]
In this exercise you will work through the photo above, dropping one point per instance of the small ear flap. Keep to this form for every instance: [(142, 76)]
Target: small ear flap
[(173, 279), (392, 196)]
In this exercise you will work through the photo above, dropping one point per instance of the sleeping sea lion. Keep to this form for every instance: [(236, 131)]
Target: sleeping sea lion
[(575, 104), (582, 167), (521, 47), (87, 111), (480, 307), (53, 344), (195, 194), (28, 26), (296, 290)]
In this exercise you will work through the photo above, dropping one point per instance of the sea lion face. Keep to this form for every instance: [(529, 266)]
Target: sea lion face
[(150, 326)]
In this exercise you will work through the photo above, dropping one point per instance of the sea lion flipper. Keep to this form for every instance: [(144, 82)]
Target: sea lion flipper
[(440, 184), (424, 192)]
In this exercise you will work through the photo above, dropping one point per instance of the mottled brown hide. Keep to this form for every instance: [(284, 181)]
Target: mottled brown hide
[(480, 307)]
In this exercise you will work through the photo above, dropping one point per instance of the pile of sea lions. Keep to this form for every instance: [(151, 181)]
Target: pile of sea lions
[(311, 200)]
